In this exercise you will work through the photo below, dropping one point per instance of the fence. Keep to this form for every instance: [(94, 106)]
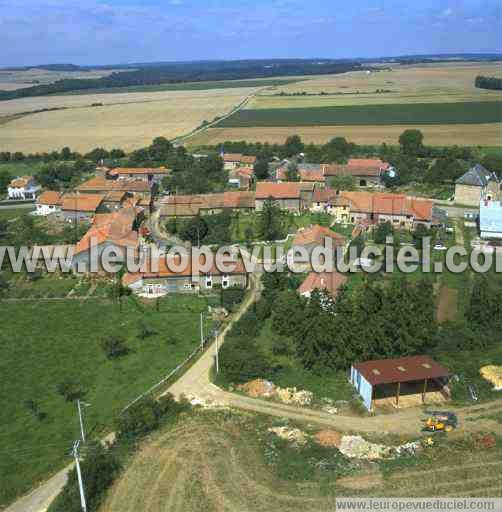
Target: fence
[(207, 342)]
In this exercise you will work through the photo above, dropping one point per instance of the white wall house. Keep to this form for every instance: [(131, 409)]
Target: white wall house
[(49, 202), (23, 188)]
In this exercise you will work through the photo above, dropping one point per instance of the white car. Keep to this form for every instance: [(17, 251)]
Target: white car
[(439, 246)]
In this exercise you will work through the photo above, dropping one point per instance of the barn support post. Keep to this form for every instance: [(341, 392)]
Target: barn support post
[(425, 390), (397, 393)]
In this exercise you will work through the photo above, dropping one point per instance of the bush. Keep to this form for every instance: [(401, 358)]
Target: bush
[(71, 389), (114, 347), (231, 297), (99, 469), (145, 416)]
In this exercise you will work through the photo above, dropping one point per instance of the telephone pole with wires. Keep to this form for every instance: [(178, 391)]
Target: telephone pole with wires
[(79, 475), (81, 418), (201, 332)]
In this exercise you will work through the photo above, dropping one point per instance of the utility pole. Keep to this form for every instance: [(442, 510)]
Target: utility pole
[(201, 332), (79, 475), (217, 359), (81, 418)]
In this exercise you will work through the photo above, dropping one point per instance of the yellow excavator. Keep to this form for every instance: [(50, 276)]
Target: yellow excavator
[(440, 422)]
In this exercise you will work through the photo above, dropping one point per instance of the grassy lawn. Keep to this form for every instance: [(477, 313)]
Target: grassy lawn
[(12, 213), (21, 168), (42, 344)]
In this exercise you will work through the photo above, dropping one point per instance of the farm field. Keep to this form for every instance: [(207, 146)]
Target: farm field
[(409, 114), (48, 342), (438, 83), (128, 121), (216, 462), (20, 78), (489, 134)]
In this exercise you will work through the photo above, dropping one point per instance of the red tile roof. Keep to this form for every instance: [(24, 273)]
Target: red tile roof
[(357, 167), (403, 369), (114, 227), (329, 195), (289, 190), (82, 202), (316, 235), (138, 170), (164, 271), (390, 204), (330, 282), (22, 182), (316, 176), (101, 184), (50, 197)]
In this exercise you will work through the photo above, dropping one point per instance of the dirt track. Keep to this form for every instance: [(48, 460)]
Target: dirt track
[(196, 382)]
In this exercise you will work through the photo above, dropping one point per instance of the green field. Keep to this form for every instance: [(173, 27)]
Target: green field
[(29, 168), (44, 343), (188, 86), (398, 114)]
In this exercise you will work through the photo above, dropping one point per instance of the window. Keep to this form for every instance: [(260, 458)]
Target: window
[(209, 282), (225, 281)]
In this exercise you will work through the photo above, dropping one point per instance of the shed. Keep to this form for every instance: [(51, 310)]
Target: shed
[(419, 374)]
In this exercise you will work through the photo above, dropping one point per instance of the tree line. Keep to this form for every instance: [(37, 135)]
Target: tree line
[(488, 82), (186, 72)]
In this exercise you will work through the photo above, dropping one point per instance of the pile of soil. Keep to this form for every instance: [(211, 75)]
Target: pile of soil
[(258, 388), (492, 374), (329, 438)]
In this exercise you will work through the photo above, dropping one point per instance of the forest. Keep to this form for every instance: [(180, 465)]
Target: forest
[(188, 72)]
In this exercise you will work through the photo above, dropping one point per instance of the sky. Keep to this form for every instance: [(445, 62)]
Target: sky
[(88, 32)]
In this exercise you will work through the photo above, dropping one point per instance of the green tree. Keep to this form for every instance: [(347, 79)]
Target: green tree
[(114, 347), (270, 221), (382, 231), (99, 467), (292, 173), (261, 169), (293, 146), (411, 142)]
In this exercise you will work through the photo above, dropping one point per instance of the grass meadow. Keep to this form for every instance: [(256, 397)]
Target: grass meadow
[(44, 343)]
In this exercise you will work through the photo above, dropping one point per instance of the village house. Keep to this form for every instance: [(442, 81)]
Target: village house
[(102, 185), (114, 200), (233, 160), (332, 202), (366, 172), (206, 204), (49, 202), (80, 207), (147, 174), (241, 178), (490, 219), (160, 280), (23, 188), (328, 282), (315, 235), (291, 196), (117, 229), (368, 208), (475, 185)]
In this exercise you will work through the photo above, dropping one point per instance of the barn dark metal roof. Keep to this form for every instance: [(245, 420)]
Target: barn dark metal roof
[(403, 369)]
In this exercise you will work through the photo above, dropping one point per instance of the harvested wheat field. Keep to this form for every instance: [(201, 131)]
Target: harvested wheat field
[(128, 121), (438, 83), (218, 462), (489, 134)]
